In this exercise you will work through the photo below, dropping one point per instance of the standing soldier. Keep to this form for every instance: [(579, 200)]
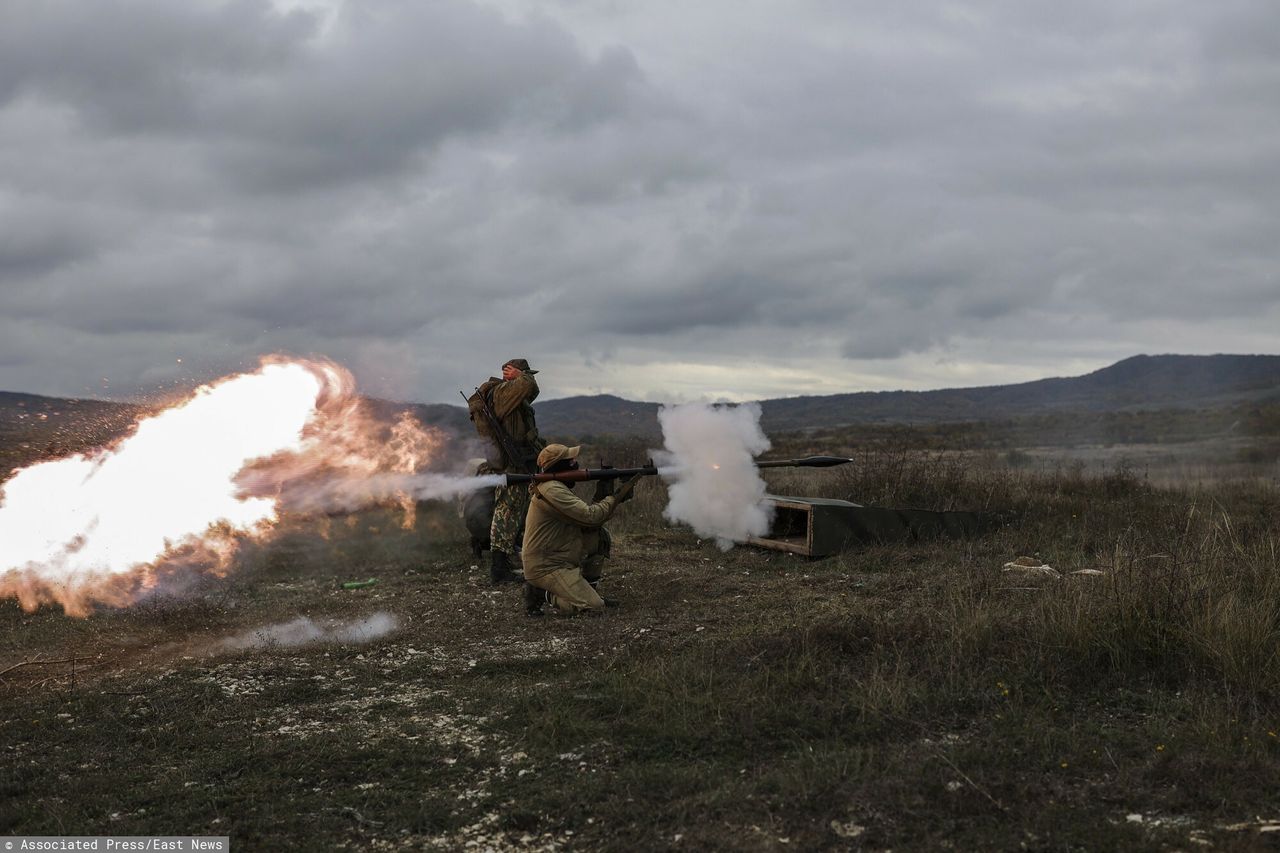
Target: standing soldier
[(503, 414)]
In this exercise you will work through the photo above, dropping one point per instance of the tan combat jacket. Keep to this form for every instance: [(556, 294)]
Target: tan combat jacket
[(560, 528), (512, 404)]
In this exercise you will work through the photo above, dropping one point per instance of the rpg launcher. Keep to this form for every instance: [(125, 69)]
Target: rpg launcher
[(584, 474)]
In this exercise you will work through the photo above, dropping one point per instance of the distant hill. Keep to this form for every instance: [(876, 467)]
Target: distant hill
[(1139, 383), (602, 414), (1142, 382), (32, 426), (449, 418)]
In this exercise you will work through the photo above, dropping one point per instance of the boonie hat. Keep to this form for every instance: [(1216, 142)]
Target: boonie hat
[(553, 453), (519, 363)]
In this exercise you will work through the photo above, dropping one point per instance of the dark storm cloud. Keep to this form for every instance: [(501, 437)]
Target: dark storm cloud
[(139, 65), (41, 238), (635, 196), (402, 84), (275, 110)]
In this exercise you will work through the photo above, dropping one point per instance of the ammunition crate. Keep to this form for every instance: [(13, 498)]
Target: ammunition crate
[(820, 527)]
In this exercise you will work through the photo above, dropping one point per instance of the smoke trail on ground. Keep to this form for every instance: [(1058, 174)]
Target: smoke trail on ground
[(303, 631), (714, 485)]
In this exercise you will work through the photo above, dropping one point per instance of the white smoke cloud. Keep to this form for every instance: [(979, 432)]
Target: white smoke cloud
[(709, 464), (303, 632)]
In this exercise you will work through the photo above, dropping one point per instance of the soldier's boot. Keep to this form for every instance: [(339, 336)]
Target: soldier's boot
[(592, 570), (608, 602), (500, 569), (534, 598)]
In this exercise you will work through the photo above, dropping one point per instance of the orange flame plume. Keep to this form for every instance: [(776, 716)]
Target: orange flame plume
[(187, 483)]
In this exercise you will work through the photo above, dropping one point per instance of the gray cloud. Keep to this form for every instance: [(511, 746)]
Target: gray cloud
[(647, 199), (133, 66)]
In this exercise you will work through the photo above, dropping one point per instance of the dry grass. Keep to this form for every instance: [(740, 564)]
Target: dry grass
[(898, 697)]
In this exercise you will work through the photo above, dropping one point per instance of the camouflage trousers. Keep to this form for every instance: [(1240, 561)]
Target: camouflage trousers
[(510, 505)]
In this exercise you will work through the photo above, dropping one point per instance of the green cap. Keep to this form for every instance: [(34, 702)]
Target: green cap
[(520, 364)]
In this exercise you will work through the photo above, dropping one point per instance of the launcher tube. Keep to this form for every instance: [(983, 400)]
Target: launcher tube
[(584, 474)]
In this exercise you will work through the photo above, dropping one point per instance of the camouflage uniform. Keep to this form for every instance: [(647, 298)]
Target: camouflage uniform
[(511, 402), (510, 505)]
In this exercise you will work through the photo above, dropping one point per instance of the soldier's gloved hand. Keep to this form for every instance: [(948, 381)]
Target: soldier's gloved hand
[(604, 488), (628, 489)]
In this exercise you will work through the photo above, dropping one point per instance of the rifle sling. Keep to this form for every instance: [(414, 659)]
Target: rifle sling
[(509, 447)]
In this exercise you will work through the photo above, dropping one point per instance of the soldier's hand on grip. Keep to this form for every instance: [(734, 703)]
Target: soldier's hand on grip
[(628, 489), (604, 488)]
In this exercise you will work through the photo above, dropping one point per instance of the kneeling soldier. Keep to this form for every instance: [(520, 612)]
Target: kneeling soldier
[(565, 548)]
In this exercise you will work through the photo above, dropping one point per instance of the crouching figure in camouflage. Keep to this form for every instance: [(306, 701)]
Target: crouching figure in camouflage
[(565, 544)]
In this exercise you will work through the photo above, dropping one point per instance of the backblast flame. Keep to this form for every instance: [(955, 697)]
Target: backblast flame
[(181, 489)]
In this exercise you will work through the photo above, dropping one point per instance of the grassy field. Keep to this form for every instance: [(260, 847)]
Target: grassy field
[(905, 697)]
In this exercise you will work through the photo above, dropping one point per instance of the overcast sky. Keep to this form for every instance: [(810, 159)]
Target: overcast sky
[(662, 200)]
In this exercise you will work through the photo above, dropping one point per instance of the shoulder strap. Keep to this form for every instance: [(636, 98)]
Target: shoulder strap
[(537, 493)]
